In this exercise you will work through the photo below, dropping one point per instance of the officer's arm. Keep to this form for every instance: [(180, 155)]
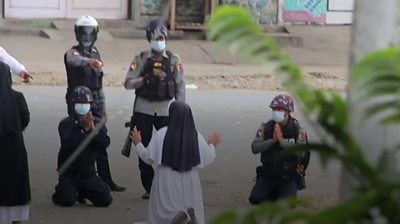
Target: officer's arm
[(75, 59), (260, 144), (102, 140), (133, 79), (14, 65), (285, 143), (180, 79)]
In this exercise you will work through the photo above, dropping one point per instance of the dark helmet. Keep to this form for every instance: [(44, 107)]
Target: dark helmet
[(155, 29), (283, 101), (82, 94), (86, 30)]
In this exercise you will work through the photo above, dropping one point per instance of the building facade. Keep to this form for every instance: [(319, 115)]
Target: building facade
[(192, 11)]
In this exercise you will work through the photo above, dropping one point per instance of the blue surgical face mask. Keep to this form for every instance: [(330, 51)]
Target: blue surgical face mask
[(158, 45), (82, 108), (278, 116)]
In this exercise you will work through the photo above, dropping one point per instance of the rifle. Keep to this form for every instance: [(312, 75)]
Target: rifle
[(126, 149)]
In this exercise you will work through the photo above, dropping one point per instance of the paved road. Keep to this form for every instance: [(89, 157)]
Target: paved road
[(226, 183)]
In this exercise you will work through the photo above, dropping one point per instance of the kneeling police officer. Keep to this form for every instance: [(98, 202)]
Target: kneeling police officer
[(79, 181), (281, 174)]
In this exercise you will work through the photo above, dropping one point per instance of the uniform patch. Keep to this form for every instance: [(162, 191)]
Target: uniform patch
[(302, 138), (74, 52), (260, 134), (133, 66), (179, 66)]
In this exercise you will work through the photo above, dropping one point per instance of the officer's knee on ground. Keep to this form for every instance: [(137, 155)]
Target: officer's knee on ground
[(65, 202), (105, 202)]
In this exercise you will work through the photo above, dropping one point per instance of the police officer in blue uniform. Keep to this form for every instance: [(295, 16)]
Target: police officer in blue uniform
[(158, 78), (281, 174), (80, 181), (83, 65)]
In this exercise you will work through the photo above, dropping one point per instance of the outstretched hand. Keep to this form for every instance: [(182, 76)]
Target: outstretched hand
[(135, 136), (95, 64), (25, 76), (215, 138)]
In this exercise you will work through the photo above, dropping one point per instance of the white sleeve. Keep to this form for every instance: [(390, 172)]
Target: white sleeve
[(143, 153), (207, 151), (15, 66), (147, 153)]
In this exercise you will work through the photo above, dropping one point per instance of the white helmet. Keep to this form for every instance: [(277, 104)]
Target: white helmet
[(86, 30)]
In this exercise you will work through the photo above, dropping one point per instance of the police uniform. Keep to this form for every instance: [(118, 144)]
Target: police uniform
[(157, 81), (79, 73), (277, 177), (80, 179)]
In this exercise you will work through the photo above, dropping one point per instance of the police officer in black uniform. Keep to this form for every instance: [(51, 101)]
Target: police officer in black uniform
[(157, 76), (83, 65), (79, 181), (281, 174)]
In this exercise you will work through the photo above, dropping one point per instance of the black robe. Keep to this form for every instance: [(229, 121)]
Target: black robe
[(14, 175)]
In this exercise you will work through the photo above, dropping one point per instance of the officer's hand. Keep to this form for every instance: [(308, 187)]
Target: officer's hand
[(300, 169), (135, 136), (95, 64), (25, 76), (215, 138), (278, 132), (89, 121)]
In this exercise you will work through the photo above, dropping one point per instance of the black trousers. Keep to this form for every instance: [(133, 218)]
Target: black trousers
[(92, 188), (272, 189), (103, 167), (144, 123)]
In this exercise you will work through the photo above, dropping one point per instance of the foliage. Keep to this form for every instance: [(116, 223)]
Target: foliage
[(378, 75)]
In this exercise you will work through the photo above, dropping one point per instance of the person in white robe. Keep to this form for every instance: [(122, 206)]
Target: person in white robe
[(176, 153), (16, 67)]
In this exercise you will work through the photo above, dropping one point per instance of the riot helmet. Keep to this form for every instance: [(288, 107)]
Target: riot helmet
[(86, 30), (82, 94), (282, 101), (155, 29)]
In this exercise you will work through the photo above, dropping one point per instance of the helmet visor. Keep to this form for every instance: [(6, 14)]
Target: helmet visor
[(86, 34)]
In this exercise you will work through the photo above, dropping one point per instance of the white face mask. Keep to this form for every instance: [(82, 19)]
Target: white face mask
[(158, 45), (278, 116), (82, 108)]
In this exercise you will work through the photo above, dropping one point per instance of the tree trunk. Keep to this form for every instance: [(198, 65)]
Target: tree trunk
[(375, 26)]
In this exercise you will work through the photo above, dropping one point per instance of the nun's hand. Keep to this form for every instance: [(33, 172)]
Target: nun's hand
[(26, 76), (215, 138), (135, 136)]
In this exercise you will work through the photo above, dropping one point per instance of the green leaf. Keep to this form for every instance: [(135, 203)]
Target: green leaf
[(228, 217)]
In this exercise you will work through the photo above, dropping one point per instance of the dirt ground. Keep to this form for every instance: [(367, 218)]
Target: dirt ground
[(322, 80)]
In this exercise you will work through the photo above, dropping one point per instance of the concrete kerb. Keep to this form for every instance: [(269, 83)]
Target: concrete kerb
[(110, 29)]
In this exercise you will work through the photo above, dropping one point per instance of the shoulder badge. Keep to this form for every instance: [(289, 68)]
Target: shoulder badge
[(179, 65), (133, 66), (302, 138), (260, 133), (75, 52)]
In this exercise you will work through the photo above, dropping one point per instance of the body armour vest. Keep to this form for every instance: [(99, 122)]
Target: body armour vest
[(273, 162), (160, 83), (84, 75)]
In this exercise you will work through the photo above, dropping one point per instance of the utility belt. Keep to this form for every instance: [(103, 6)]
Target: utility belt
[(284, 170)]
